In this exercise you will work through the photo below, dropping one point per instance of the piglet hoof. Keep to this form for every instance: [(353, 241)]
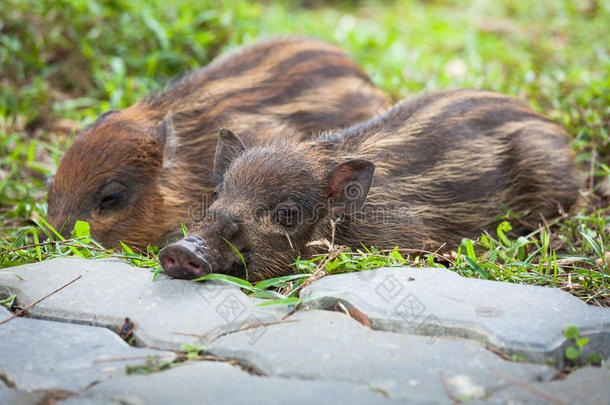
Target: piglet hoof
[(183, 260)]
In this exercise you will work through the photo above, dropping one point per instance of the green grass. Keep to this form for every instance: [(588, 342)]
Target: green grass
[(64, 62)]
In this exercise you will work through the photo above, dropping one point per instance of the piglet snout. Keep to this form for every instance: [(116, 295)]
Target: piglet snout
[(184, 259)]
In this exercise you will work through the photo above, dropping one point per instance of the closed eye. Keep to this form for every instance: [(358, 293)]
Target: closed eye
[(111, 200), (111, 196)]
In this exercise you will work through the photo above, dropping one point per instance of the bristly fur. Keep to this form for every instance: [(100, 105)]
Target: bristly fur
[(446, 165), (291, 86)]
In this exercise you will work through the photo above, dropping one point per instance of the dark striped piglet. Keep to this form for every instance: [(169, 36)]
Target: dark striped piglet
[(427, 173)]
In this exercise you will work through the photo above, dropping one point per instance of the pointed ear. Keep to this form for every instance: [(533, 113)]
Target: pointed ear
[(349, 184), (228, 147), (165, 134)]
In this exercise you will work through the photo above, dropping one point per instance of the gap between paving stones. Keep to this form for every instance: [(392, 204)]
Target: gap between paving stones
[(331, 304), (321, 303), (237, 361), (327, 345), (243, 364), (215, 383), (180, 354), (57, 359), (131, 291), (11, 395)]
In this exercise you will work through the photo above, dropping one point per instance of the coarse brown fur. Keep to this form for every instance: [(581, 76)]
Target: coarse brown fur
[(446, 164), (136, 175)]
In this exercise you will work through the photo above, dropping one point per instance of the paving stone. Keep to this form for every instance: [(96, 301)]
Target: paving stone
[(330, 346), (16, 397), (79, 400), (12, 396), (45, 355), (220, 383), (166, 312), (588, 385), (516, 319)]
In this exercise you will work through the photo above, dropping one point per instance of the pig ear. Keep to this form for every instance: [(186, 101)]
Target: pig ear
[(348, 185), (166, 136), (228, 147)]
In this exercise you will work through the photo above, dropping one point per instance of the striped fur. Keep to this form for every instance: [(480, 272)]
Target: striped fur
[(293, 86), (446, 165)]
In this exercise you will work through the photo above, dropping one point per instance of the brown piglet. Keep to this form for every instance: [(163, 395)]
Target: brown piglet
[(135, 175)]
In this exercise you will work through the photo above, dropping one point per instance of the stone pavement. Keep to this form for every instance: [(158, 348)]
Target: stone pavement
[(434, 337)]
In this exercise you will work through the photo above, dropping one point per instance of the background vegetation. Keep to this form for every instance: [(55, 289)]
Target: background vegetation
[(63, 62)]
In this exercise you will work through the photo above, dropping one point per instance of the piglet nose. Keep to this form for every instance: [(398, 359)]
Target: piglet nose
[(184, 259)]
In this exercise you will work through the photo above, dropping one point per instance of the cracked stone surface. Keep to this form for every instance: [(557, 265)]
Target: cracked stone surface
[(430, 342), (216, 383), (515, 319), (17, 397), (588, 385), (167, 312), (329, 346), (45, 355)]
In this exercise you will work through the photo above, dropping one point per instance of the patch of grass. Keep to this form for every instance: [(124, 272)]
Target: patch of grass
[(573, 352), (192, 351), (26, 247), (62, 63), (8, 301), (569, 255)]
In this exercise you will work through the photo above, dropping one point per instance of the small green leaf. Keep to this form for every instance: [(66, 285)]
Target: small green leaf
[(278, 281), (504, 226), (596, 247), (268, 294), (476, 268), (192, 348), (572, 353), (228, 280), (284, 301), (46, 227), (570, 332), (81, 230), (156, 271), (36, 242), (126, 248), (595, 358), (582, 342), (243, 261), (469, 248), (8, 301)]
